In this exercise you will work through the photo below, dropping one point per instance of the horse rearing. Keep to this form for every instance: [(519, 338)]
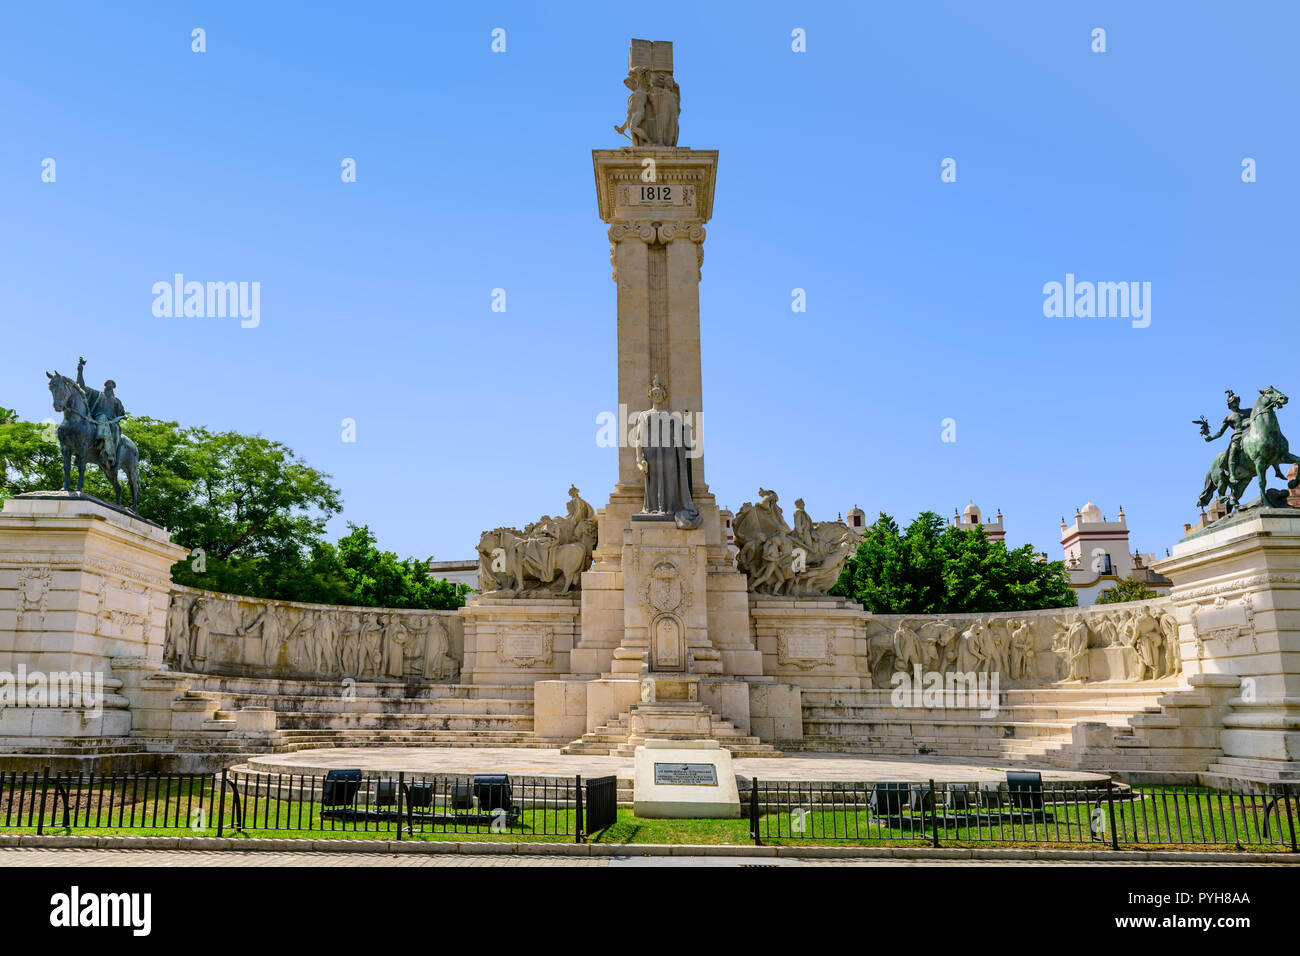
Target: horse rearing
[(77, 437), (1263, 446)]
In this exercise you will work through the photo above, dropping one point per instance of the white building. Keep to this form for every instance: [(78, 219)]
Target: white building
[(971, 518), (457, 572), (1097, 556)]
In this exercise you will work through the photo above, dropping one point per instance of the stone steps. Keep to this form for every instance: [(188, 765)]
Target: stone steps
[(614, 739), (1031, 723), (368, 714), (312, 721), (383, 705), (260, 686)]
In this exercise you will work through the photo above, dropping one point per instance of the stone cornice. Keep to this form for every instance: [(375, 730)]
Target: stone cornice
[(695, 169)]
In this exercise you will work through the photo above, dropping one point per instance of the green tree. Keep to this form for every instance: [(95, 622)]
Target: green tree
[(933, 569), (252, 512), (378, 578), (1130, 589)]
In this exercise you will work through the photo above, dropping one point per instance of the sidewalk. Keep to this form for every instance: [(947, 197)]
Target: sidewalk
[(478, 848)]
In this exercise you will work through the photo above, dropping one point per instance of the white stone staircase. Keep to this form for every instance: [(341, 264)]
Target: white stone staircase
[(311, 714), (615, 738), (1030, 723)]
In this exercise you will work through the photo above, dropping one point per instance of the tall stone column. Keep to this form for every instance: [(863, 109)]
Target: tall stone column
[(656, 201)]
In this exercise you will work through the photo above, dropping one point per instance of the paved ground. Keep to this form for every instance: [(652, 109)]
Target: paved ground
[(524, 761), (170, 858)]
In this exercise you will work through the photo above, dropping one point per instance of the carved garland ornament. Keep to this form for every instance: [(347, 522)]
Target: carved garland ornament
[(34, 592), (545, 653), (1226, 632)]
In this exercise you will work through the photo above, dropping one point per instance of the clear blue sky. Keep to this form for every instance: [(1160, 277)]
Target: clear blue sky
[(924, 298)]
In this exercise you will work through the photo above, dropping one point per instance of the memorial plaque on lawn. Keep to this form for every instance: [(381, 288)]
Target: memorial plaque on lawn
[(686, 774)]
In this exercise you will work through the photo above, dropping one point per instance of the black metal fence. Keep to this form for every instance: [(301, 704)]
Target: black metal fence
[(347, 803), (1022, 810), (355, 804)]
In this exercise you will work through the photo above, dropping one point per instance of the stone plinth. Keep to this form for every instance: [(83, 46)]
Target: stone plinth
[(811, 642), (665, 611), (81, 582), (512, 640), (684, 779), (1236, 595)]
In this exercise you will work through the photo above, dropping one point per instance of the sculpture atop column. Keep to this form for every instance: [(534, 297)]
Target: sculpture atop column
[(655, 101), (1257, 444), (663, 448)]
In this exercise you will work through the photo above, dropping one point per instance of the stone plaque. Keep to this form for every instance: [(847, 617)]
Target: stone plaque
[(804, 649), (808, 647), (526, 644), (686, 774)]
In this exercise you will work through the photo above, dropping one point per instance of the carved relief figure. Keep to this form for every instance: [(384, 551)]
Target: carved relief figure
[(372, 645), (1076, 648), (202, 620), (1173, 655), (437, 663), (941, 647), (1145, 638), (395, 638), (908, 653), (1022, 650), (176, 645)]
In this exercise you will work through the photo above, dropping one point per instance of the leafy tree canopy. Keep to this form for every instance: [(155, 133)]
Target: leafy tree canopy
[(929, 568), (1130, 589), (252, 511)]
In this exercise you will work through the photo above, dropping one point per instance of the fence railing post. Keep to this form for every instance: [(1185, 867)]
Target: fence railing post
[(753, 811), (579, 826), (401, 787), (221, 802), (1290, 820), (934, 814), (1110, 813), (40, 819)]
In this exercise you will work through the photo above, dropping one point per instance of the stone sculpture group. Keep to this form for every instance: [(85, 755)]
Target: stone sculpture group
[(655, 102), (780, 560), (547, 557)]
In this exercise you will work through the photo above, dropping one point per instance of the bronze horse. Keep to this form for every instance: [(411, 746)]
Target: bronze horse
[(77, 437)]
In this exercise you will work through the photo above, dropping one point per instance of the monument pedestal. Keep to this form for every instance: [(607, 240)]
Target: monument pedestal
[(519, 640), (1236, 594), (81, 582)]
